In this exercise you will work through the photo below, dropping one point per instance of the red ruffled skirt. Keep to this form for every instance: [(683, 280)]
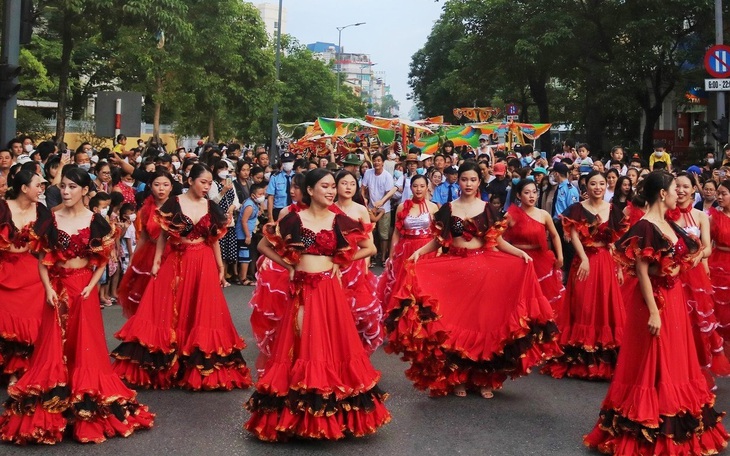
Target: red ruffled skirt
[(550, 277), (22, 298), (700, 305), (591, 321), (182, 333), (658, 401), (719, 263), (70, 381), (394, 272), (268, 304), (135, 280), (360, 289), (319, 382), (473, 319)]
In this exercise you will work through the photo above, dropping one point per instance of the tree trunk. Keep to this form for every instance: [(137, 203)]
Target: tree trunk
[(66, 51), (158, 109), (652, 115), (211, 129), (538, 91)]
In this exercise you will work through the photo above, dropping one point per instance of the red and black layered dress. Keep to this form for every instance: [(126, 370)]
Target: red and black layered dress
[(70, 381), (269, 302), (360, 286), (138, 275), (529, 232), (591, 319), (319, 382), (658, 401), (182, 333), (719, 263), (22, 296), (471, 317), (413, 233)]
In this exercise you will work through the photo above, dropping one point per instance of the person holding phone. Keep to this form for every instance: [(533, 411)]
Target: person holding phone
[(224, 194)]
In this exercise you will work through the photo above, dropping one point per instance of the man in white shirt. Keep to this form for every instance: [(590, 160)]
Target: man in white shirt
[(378, 187)]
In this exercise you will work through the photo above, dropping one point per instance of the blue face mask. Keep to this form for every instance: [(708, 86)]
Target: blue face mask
[(515, 181), (397, 174)]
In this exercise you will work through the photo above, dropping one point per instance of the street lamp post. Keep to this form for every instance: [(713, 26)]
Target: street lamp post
[(273, 151), (339, 67)]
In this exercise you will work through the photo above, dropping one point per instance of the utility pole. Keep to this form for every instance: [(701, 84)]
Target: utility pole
[(273, 151), (9, 58)]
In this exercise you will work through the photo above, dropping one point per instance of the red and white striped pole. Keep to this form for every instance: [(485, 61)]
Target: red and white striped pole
[(118, 118)]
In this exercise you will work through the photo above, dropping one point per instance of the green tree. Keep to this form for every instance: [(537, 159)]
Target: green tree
[(228, 76)]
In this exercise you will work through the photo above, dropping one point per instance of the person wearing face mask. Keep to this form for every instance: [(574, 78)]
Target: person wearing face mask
[(278, 190), (660, 155), (123, 183), (82, 159), (223, 193), (391, 160)]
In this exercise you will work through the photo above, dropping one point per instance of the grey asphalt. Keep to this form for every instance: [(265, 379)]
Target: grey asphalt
[(535, 415)]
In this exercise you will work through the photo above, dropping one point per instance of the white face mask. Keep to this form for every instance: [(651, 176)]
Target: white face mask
[(176, 165), (104, 211), (710, 161), (267, 175), (658, 153), (138, 159), (223, 175), (287, 167), (391, 156), (28, 148), (85, 166), (129, 183), (260, 199), (132, 218)]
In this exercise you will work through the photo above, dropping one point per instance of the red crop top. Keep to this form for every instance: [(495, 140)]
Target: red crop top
[(485, 226), (94, 243), (211, 227), (11, 236), (291, 240), (525, 230), (591, 229)]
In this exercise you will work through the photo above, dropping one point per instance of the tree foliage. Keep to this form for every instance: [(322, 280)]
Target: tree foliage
[(596, 64)]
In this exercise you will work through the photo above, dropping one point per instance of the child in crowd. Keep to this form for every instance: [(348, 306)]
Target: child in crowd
[(100, 204), (245, 228), (584, 163), (129, 235)]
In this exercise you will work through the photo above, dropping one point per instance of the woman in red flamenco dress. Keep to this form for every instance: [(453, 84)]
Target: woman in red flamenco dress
[(493, 323), (658, 402), (696, 284), (270, 298), (70, 382), (526, 229), (182, 333), (139, 273), (358, 282), (319, 382), (22, 295), (413, 220), (592, 316), (719, 260)]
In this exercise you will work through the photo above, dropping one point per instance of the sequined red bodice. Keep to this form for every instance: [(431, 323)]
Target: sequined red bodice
[(321, 243), (73, 246), (22, 236), (463, 228), (198, 230)]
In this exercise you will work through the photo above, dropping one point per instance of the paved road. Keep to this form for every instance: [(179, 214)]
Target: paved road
[(531, 416)]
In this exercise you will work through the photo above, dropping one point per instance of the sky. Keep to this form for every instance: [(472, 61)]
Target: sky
[(393, 31)]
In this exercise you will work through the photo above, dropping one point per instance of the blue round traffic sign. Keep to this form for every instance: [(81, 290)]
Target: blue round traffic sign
[(717, 61)]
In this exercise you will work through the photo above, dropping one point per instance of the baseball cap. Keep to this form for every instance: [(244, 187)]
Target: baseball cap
[(287, 157), (483, 137), (469, 154), (500, 169), (451, 170), (694, 169), (539, 170)]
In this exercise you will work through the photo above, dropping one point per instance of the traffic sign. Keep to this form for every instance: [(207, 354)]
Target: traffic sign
[(512, 109), (717, 61), (717, 85)]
